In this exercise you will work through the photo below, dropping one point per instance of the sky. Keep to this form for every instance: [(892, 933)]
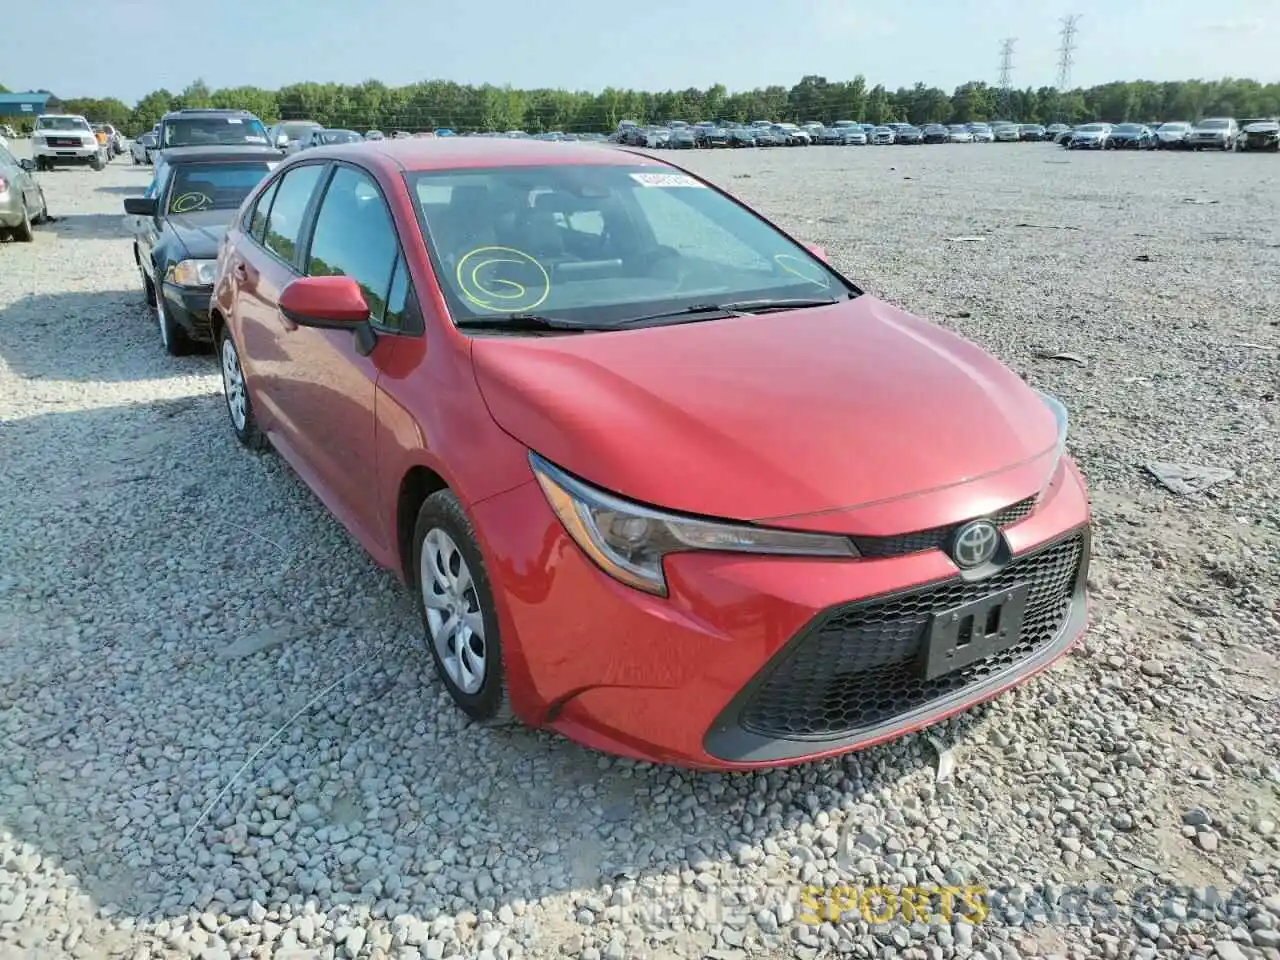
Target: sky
[(652, 44)]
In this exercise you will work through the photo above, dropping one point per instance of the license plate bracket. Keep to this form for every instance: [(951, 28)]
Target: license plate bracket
[(960, 636)]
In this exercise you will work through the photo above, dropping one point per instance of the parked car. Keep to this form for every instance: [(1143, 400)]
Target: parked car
[(178, 229), (742, 137), (324, 136), (683, 138), (795, 137), (1214, 133), (1131, 136), (853, 136), (982, 133), (1055, 130), (110, 138), (1173, 136), (289, 135), (1260, 135), (374, 135), (1064, 136), (66, 139), (959, 133), (768, 137), (588, 502), (1006, 132), (22, 202), (935, 133), (1090, 136), (1032, 132), (143, 148), (883, 136), (909, 134), (209, 127)]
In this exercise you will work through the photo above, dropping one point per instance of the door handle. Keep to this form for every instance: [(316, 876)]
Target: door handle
[(240, 270)]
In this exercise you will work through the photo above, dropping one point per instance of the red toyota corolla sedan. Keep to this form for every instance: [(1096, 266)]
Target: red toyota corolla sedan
[(660, 478)]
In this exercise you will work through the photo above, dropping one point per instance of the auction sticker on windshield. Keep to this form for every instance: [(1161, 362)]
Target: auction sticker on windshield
[(666, 180)]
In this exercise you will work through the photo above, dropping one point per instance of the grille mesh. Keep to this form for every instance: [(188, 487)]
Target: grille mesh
[(861, 668), (937, 537)]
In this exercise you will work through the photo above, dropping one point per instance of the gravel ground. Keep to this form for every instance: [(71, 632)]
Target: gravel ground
[(221, 737)]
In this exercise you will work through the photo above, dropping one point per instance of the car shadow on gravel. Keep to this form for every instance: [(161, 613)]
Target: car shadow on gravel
[(211, 697), (89, 226), (107, 336)]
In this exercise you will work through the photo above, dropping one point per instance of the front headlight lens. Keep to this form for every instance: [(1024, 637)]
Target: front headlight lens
[(192, 273), (629, 541)]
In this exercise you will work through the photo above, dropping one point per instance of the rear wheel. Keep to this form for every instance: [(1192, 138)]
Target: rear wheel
[(23, 232)]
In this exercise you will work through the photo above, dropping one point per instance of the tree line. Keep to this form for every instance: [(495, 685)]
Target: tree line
[(440, 103)]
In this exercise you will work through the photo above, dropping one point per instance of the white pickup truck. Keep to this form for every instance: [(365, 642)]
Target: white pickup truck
[(66, 139)]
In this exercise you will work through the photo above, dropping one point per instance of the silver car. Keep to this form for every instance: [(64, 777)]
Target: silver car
[(143, 148), (1214, 133), (22, 202)]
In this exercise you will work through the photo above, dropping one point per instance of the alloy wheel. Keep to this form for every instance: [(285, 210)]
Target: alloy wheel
[(454, 617), (233, 384)]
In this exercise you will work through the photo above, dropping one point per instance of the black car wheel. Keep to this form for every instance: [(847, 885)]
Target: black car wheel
[(236, 392), (23, 232), (173, 338)]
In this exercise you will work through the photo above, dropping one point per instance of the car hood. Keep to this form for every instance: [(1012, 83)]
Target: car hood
[(771, 416), (1263, 127), (201, 232)]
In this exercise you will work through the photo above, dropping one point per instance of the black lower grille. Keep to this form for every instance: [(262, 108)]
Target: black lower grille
[(936, 538), (861, 666)]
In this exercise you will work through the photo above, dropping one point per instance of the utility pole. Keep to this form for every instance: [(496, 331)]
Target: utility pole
[(1006, 75), (1066, 50)]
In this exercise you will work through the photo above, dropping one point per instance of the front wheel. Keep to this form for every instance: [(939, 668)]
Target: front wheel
[(23, 232), (97, 163), (236, 391), (173, 338), (458, 611)]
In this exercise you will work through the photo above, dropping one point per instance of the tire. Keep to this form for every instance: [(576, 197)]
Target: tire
[(447, 567), (23, 232), (243, 423), (173, 338), (43, 215), (97, 164)]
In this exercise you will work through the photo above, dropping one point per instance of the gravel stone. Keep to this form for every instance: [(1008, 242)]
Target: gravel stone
[(169, 602)]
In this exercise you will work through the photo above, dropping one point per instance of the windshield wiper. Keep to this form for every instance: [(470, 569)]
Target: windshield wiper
[(523, 322), (734, 308)]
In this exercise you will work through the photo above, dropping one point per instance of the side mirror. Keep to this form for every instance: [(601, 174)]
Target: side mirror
[(282, 140), (334, 303), (818, 251), (27, 165), (140, 206)]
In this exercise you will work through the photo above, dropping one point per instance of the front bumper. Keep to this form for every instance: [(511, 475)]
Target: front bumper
[(1086, 144), (189, 308), (69, 154), (1260, 141), (1213, 143), (756, 661)]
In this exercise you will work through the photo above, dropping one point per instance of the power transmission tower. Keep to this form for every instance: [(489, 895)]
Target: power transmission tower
[(1006, 74), (1066, 50)]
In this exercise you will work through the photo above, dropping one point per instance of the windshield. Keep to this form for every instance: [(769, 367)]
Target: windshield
[(1214, 124), (214, 186), (602, 243), (1174, 126), (62, 123), (1091, 128), (1128, 128), (202, 131), (295, 131), (341, 136)]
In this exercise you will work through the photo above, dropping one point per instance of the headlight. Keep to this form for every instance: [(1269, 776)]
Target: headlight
[(1059, 412), (192, 273), (629, 541)]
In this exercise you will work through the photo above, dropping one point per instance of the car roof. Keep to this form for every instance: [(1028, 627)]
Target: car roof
[(460, 153), (223, 153), (206, 112)]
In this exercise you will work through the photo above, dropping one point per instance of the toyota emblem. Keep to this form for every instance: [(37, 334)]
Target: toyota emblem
[(975, 544)]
